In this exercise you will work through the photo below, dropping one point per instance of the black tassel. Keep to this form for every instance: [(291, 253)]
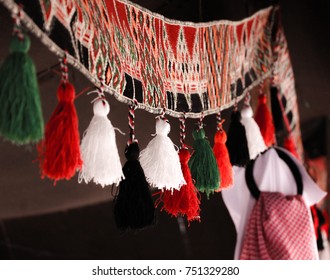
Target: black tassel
[(276, 110), (236, 141), (134, 207)]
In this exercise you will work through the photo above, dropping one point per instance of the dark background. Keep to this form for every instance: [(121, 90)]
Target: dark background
[(75, 221)]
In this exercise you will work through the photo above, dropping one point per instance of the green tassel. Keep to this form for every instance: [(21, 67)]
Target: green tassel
[(21, 118), (203, 165)]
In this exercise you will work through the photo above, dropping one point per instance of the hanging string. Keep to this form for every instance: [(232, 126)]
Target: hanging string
[(247, 99), (17, 30), (64, 69), (183, 131), (83, 91), (220, 121), (131, 117), (99, 91), (101, 96), (261, 88), (200, 122), (162, 116), (235, 106)]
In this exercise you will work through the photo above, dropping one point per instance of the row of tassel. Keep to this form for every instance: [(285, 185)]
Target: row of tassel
[(179, 175)]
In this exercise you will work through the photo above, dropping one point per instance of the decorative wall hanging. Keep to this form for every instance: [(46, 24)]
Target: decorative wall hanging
[(134, 207), (203, 164), (21, 118), (163, 63), (282, 80), (236, 142), (59, 151), (264, 119), (255, 141), (160, 161), (185, 201), (191, 67), (101, 162), (222, 156)]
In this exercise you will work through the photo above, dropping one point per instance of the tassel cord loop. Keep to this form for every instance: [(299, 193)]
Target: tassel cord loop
[(183, 131), (131, 122), (64, 69), (200, 122), (220, 121), (17, 18)]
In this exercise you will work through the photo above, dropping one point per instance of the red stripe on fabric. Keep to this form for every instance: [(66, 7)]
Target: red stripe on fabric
[(172, 33), (190, 36), (239, 31)]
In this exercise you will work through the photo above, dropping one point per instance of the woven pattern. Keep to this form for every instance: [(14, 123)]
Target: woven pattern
[(162, 63), (283, 79), (279, 228)]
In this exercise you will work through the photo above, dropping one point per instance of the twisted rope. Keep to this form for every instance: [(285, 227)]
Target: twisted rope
[(183, 131), (131, 124)]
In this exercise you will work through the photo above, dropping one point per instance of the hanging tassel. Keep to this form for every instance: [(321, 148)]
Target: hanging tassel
[(134, 207), (277, 112), (289, 145), (101, 162), (185, 201), (264, 119), (256, 144), (160, 161), (21, 119), (222, 156), (59, 153), (236, 140), (203, 165)]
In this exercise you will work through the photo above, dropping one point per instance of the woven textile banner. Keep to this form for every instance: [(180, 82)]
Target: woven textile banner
[(283, 79), (162, 63)]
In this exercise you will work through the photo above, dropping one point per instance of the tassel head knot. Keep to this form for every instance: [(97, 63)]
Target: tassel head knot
[(262, 99), (247, 112), (235, 116), (132, 152), (184, 155), (220, 137), (199, 134), (66, 92), (101, 107), (20, 45), (162, 127)]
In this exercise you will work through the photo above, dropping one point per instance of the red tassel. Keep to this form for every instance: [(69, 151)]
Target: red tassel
[(264, 119), (222, 156), (184, 201), (289, 145), (59, 153)]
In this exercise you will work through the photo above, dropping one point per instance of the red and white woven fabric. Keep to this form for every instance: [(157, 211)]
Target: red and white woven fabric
[(279, 228)]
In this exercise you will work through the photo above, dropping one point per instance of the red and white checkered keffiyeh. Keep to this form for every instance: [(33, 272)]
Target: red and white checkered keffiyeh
[(279, 228)]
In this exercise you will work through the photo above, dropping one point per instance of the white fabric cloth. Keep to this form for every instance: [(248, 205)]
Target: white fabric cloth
[(272, 174)]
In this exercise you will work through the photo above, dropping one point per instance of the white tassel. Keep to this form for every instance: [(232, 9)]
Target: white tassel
[(160, 161), (101, 162), (256, 143)]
